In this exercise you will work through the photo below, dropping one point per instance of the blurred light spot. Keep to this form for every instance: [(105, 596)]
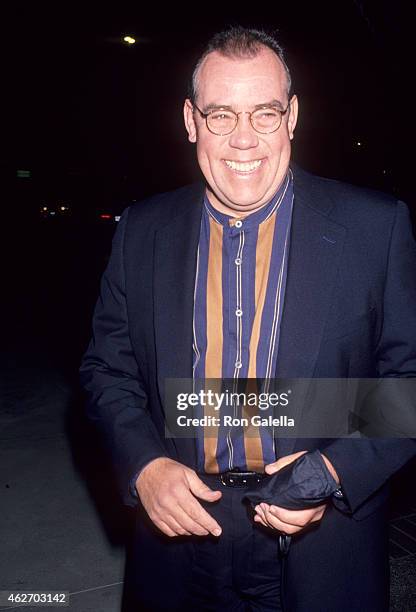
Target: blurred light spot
[(129, 40), (117, 218), (105, 216), (23, 173)]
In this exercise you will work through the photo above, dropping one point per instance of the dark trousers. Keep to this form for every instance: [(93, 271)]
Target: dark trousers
[(239, 571)]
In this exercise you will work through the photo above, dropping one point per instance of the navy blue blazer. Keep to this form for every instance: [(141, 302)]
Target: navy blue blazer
[(349, 311)]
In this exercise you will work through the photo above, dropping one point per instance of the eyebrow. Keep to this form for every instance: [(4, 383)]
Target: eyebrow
[(274, 102)]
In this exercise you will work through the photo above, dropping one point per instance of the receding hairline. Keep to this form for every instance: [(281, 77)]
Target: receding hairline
[(238, 55)]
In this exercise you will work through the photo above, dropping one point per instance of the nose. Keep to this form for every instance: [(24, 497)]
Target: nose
[(244, 135)]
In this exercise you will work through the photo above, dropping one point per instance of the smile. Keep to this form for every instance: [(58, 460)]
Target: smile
[(243, 166)]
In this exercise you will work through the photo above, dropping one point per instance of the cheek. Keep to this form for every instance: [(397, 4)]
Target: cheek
[(280, 151), (209, 156), (281, 142)]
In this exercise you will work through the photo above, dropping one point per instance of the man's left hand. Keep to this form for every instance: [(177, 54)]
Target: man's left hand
[(287, 521), (290, 521)]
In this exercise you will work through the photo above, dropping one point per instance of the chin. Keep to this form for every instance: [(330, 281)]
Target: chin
[(246, 203)]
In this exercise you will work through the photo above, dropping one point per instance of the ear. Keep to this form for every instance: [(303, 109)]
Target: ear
[(188, 117), (293, 116)]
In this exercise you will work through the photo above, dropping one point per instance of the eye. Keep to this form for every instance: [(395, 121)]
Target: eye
[(221, 115), (266, 113), (266, 119)]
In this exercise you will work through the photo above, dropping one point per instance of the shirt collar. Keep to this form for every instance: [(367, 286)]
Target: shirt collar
[(254, 219)]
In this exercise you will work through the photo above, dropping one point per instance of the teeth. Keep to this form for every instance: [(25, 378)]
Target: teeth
[(243, 166)]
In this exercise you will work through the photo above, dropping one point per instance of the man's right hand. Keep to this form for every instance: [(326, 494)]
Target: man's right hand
[(168, 492)]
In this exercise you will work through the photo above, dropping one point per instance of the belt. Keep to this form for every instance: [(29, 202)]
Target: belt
[(236, 478)]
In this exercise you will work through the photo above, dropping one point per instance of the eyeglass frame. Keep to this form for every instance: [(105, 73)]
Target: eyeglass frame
[(206, 115)]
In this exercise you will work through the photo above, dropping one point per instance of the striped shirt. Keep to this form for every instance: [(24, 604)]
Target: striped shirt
[(238, 302)]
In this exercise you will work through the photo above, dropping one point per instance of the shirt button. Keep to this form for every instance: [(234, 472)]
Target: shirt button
[(238, 224), (239, 312), (238, 364), (238, 261)]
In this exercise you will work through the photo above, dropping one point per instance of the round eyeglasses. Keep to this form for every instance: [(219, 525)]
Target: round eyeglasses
[(265, 120)]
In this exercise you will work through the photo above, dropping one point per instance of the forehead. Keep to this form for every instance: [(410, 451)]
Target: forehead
[(226, 80)]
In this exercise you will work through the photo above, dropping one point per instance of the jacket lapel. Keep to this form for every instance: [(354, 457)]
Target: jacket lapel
[(315, 250)]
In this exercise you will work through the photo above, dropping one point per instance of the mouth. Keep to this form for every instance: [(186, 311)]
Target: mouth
[(243, 167)]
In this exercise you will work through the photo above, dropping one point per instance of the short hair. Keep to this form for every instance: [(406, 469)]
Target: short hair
[(238, 42)]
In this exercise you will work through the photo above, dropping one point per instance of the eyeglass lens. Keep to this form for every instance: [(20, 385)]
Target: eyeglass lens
[(263, 120)]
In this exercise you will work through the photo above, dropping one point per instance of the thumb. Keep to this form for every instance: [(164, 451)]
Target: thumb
[(272, 468), (201, 490)]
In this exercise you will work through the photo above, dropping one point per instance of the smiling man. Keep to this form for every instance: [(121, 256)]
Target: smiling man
[(246, 103), (262, 271)]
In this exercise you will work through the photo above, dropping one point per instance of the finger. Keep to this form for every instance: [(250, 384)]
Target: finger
[(187, 523), (262, 519), (261, 513), (297, 517), (186, 509), (271, 468), (271, 517), (201, 490), (194, 511), (164, 528), (258, 519), (266, 514), (265, 509), (275, 523), (177, 527)]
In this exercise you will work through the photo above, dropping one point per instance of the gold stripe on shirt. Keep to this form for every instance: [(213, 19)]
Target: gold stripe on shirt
[(213, 356)]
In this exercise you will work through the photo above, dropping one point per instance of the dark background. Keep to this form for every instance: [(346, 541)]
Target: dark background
[(98, 124), (98, 121)]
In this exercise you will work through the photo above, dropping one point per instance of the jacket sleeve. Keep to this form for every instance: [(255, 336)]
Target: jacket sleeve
[(109, 373), (364, 465)]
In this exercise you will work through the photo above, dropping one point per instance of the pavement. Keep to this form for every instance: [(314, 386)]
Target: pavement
[(62, 527)]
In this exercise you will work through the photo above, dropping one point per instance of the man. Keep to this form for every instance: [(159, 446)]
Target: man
[(264, 271)]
